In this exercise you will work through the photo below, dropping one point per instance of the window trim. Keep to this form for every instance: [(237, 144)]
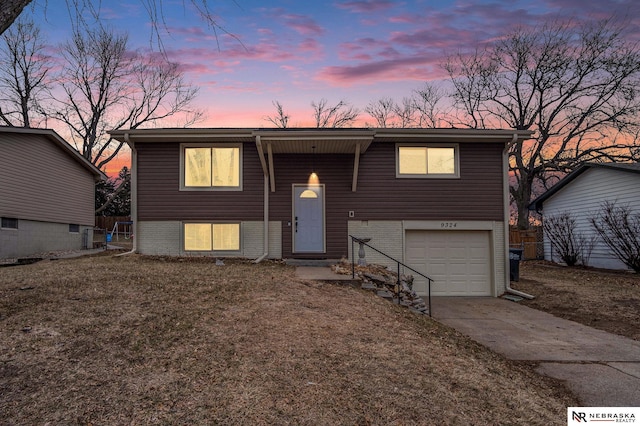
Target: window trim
[(456, 159), (212, 251), (3, 224), (183, 146)]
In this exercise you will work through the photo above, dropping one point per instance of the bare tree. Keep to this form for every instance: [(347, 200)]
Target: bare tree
[(406, 113), (619, 228), (106, 87), (341, 114), (280, 119), (426, 101), (23, 70), (80, 10), (576, 86), (572, 246), (382, 111)]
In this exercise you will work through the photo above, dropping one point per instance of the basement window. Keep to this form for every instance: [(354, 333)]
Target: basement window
[(74, 228), (9, 223), (212, 237)]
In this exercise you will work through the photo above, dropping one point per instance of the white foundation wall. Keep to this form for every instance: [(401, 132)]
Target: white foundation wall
[(35, 237), (388, 237), (160, 238), (164, 238)]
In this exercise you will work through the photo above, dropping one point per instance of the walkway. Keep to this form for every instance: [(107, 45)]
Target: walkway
[(601, 368)]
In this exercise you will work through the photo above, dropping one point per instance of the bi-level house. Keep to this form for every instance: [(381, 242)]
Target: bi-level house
[(435, 199)]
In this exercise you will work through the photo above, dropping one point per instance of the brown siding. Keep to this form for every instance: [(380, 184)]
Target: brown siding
[(39, 181), (476, 195), (160, 198)]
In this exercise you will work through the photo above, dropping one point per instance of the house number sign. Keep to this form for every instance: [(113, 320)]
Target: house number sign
[(445, 225)]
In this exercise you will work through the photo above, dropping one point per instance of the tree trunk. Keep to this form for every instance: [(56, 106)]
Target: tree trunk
[(9, 11), (522, 197)]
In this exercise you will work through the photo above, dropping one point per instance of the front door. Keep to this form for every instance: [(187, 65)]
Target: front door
[(308, 219)]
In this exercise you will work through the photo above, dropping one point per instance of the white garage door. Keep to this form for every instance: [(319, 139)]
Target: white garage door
[(458, 262)]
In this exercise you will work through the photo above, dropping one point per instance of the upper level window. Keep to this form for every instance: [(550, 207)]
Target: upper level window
[(216, 167), (433, 161)]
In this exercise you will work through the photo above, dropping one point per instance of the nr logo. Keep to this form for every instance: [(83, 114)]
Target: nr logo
[(579, 417)]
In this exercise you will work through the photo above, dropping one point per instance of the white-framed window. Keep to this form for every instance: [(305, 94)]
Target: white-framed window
[(212, 237), (74, 228), (427, 161), (209, 167), (9, 223)]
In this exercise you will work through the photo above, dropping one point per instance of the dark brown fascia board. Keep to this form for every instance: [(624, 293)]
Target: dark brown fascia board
[(380, 134), (61, 142), (460, 135)]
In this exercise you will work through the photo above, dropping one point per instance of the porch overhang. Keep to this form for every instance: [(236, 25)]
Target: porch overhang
[(318, 141)]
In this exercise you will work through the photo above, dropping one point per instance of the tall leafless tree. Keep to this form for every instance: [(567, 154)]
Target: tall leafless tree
[(105, 86), (382, 111), (427, 104), (576, 86), (79, 10), (280, 119), (23, 70), (405, 112), (341, 114)]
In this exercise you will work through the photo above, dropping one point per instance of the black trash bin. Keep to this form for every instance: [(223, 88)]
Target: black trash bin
[(515, 256)]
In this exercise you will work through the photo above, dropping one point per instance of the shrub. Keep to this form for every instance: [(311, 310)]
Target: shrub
[(571, 246), (619, 228)]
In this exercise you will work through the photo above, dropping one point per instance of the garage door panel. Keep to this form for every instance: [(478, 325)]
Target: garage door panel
[(458, 261)]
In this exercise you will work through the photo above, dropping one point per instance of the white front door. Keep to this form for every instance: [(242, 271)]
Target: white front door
[(308, 219)]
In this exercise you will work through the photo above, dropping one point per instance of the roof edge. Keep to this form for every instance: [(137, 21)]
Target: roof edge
[(537, 203), (137, 135), (61, 142)]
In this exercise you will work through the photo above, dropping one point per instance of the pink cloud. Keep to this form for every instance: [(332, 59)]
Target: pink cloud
[(192, 34), (418, 68), (304, 25), (364, 6)]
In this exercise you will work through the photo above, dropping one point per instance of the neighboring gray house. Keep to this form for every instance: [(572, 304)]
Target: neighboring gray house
[(47, 193), (582, 192)]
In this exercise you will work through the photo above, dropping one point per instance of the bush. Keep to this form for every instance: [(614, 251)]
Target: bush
[(620, 230), (572, 247)]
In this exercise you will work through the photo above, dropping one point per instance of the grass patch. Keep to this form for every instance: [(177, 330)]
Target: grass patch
[(148, 340), (606, 300)]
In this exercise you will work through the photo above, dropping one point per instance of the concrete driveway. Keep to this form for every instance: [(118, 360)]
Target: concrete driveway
[(602, 369)]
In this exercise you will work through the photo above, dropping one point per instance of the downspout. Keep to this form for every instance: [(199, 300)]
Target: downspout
[(134, 195), (505, 192), (266, 202)]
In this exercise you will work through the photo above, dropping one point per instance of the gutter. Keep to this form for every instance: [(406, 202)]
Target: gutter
[(134, 195), (505, 192), (266, 202)]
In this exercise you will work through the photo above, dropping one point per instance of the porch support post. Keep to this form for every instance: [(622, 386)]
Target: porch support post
[(271, 172), (356, 164)]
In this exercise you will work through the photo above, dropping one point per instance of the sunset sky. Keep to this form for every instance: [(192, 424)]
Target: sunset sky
[(296, 51)]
